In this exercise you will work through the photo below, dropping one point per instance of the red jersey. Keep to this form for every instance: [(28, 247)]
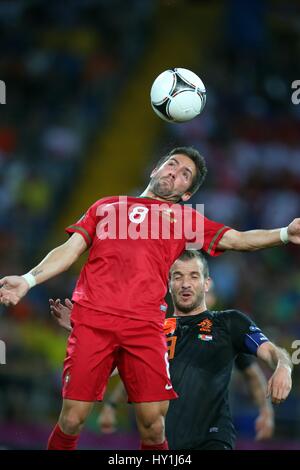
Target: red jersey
[(133, 243)]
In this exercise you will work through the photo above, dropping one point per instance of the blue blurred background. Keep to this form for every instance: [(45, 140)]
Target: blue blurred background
[(78, 125)]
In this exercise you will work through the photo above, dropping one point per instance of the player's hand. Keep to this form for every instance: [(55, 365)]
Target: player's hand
[(12, 289), (280, 384), (264, 424), (61, 313), (107, 419), (294, 231)]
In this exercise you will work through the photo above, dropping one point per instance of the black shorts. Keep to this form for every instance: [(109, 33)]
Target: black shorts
[(214, 444)]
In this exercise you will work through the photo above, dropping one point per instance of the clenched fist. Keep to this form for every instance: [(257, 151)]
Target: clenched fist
[(12, 289)]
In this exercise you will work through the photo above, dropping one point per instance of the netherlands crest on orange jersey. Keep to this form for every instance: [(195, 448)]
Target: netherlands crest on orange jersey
[(205, 325)]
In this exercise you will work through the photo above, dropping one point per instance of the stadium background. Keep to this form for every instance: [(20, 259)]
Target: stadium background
[(78, 125)]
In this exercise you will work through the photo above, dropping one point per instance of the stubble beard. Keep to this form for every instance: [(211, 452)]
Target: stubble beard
[(159, 188), (190, 307)]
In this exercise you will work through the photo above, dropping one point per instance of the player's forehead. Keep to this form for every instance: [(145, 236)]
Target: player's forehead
[(187, 266), (182, 160)]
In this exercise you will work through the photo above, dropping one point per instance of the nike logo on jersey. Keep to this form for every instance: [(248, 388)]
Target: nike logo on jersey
[(168, 387)]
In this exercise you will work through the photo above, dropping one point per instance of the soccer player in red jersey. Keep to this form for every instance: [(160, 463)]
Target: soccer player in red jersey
[(133, 242)]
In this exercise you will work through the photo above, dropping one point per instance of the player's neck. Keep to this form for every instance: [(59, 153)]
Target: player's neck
[(200, 309)]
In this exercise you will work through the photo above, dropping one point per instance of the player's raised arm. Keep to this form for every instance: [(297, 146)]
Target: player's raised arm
[(257, 239), (280, 384), (13, 288)]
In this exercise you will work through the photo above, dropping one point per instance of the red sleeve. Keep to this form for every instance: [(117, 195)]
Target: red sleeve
[(205, 233), (86, 226), (213, 232)]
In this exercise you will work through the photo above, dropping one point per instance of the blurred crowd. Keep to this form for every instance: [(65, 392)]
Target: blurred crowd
[(64, 66)]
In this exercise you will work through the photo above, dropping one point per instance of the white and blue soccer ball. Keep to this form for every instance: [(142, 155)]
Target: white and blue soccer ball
[(178, 95)]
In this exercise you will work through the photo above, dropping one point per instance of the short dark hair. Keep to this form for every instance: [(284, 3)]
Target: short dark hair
[(195, 156), (194, 254)]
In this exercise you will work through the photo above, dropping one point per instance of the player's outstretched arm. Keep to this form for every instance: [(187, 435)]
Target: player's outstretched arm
[(257, 239), (280, 384), (257, 386), (13, 288)]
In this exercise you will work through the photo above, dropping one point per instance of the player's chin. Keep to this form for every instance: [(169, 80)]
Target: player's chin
[(164, 191), (164, 187), (185, 306)]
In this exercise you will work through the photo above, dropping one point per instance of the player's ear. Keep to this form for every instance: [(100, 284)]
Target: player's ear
[(207, 284), (186, 196)]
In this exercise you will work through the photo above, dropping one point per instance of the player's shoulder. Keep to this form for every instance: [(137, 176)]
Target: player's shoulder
[(229, 314), (105, 200)]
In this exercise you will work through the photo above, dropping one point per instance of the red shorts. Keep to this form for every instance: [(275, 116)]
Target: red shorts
[(136, 347)]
